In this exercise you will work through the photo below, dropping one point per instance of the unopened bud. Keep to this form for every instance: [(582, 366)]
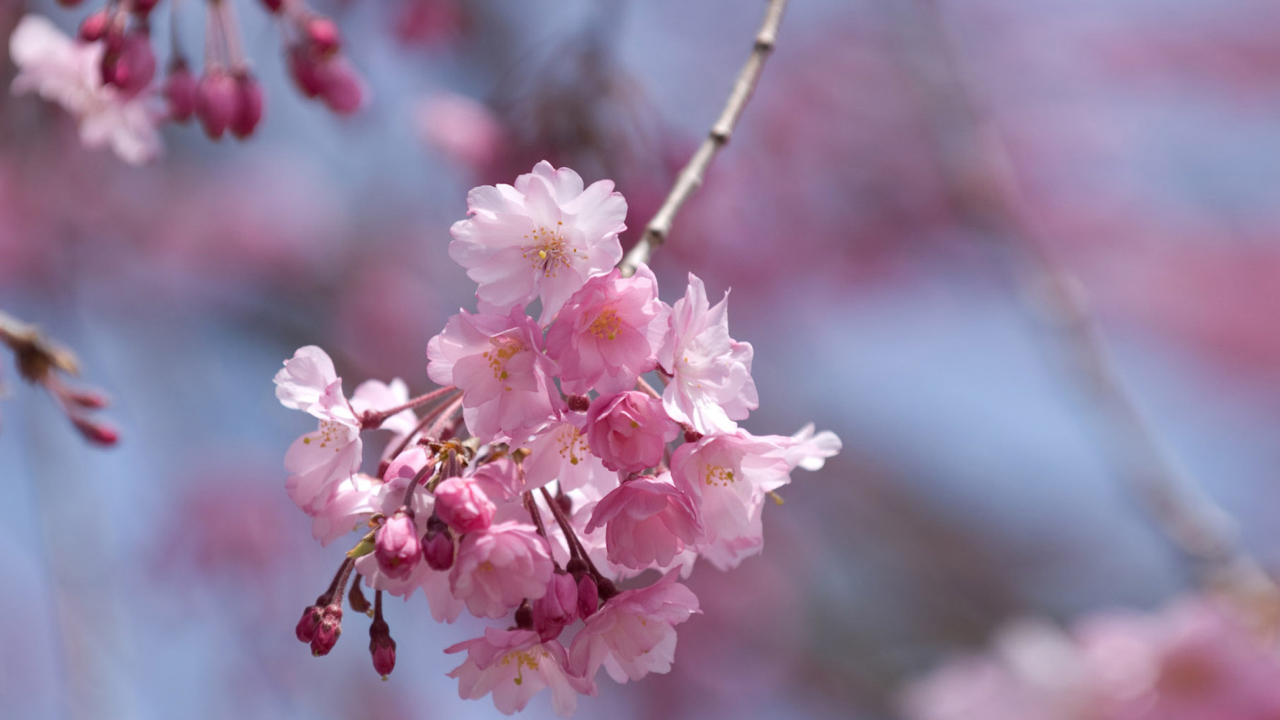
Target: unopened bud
[(437, 545), (463, 505), (180, 92), (557, 608), (273, 6), (88, 399), (588, 596), (217, 101), (142, 8), (576, 567), (382, 648), (524, 616), (396, 546), (94, 27), (304, 68), (131, 67), (328, 631), (68, 3), (323, 35), (248, 108), (579, 403), (96, 432), (344, 93), (691, 435), (310, 622)]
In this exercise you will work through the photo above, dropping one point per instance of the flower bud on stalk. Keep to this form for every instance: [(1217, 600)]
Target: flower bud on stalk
[(327, 632), (396, 545), (381, 647), (217, 101), (180, 91), (437, 545)]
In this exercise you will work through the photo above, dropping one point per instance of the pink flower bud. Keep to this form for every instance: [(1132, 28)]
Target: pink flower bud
[(327, 632), (94, 27), (629, 431), (323, 35), (310, 622), (559, 607), (588, 596), (273, 6), (180, 92), (96, 432), (142, 8), (217, 101), (463, 505), (382, 648), (249, 106), (305, 68), (88, 399), (132, 67), (579, 403), (343, 91), (437, 545), (68, 3), (396, 546)]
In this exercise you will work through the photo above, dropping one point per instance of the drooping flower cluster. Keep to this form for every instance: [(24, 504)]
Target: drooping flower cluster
[(566, 476), (1194, 660), (105, 76)]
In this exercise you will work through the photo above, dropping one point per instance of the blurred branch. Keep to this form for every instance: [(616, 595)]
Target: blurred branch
[(693, 174), (984, 187)]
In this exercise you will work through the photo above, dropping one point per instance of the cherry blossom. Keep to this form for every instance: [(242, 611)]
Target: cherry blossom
[(69, 72), (648, 521), (396, 546), (629, 431), (560, 452), (607, 334), (515, 665), (541, 238), (634, 633), (464, 505), (499, 567), (498, 362), (353, 501), (711, 383)]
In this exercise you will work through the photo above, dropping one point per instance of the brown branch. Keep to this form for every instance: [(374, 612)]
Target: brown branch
[(693, 174)]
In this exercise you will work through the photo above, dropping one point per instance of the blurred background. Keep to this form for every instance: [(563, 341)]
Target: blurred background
[(1140, 139)]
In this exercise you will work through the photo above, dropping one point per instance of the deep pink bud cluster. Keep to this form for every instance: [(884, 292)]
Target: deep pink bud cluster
[(548, 474)]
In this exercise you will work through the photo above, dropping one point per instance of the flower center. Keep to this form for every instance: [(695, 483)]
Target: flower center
[(330, 432), (720, 476), (606, 324), (572, 445), (547, 251), (503, 350), (524, 659)]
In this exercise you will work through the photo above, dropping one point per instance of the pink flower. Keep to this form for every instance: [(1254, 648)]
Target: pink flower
[(433, 583), (634, 634), (629, 431), (498, 568), (352, 502), (648, 521), (515, 665), (544, 237), (69, 73), (560, 453), (556, 609), (396, 546), (606, 335), (497, 361), (711, 384), (462, 504), (730, 475), (499, 479)]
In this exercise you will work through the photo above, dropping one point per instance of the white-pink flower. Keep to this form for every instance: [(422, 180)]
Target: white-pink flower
[(541, 238), (498, 362), (629, 431), (634, 633), (560, 452), (498, 568), (319, 460), (69, 73), (515, 665), (711, 383), (351, 504), (607, 334), (648, 521)]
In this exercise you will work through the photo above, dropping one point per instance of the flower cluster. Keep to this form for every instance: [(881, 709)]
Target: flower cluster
[(1195, 660), (105, 76), (546, 475)]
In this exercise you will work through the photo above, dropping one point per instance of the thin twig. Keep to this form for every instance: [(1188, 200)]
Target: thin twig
[(986, 193), (693, 174)]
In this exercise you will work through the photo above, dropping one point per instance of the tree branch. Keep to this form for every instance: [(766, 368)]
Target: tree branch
[(693, 174)]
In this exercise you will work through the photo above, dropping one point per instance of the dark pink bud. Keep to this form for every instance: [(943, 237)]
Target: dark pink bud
[(305, 69), (132, 67), (343, 91), (180, 91), (437, 545), (588, 596), (249, 110), (396, 546), (217, 101), (96, 432), (273, 6), (328, 631), (557, 608), (94, 27), (310, 622), (579, 403), (88, 399), (382, 648), (323, 35), (68, 3), (524, 616), (691, 435), (463, 505)]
